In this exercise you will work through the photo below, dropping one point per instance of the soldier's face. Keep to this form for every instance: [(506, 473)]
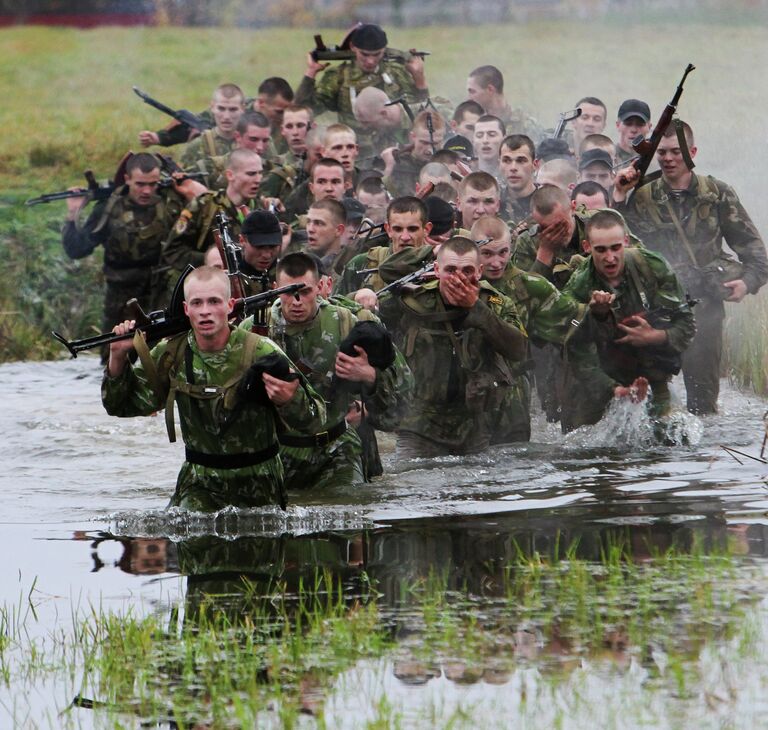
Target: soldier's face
[(260, 257), (476, 203), (670, 158), (255, 139), (481, 94), (342, 146), (142, 186), (327, 182), (487, 141), (466, 126), (323, 233), (518, 167), (599, 173), (450, 264), (607, 248), (422, 145), (406, 230), (245, 181), (591, 121), (272, 107), (300, 307), (590, 202), (208, 306), (494, 257), (631, 128), (367, 61), (226, 112), (294, 130)]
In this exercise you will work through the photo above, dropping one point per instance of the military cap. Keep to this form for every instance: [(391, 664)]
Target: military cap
[(460, 145), (439, 214), (592, 156), (634, 108), (368, 37), (262, 228)]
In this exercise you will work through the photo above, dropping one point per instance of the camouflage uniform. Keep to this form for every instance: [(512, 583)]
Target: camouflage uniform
[(208, 144), (335, 456), (191, 236), (132, 237), (280, 176), (516, 121), (371, 142), (548, 316), (708, 213), (648, 284), (231, 446), (336, 89), (461, 362), (350, 281), (515, 210)]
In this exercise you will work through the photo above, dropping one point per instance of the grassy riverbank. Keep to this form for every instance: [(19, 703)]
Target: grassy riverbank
[(71, 108), (546, 639)]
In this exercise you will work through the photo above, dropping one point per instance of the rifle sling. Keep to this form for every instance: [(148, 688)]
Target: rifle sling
[(681, 232)]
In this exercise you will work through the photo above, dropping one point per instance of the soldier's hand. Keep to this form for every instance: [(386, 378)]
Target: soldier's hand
[(279, 391), (738, 290), (415, 67), (388, 155), (356, 369), (367, 299), (460, 291), (600, 303), (273, 205), (120, 349), (188, 187), (74, 205), (639, 333), (147, 138), (625, 180), (555, 236), (355, 413), (314, 67), (637, 392)]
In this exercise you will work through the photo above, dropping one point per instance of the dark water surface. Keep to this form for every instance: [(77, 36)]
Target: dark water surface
[(83, 527)]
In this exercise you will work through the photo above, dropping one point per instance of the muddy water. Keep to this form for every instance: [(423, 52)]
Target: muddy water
[(83, 524)]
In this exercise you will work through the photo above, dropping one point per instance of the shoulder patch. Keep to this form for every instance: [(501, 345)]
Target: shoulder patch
[(182, 222), (493, 299)]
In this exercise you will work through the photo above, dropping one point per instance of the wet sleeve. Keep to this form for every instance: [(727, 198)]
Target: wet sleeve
[(504, 331), (80, 241), (670, 294), (387, 402), (743, 238), (320, 94), (180, 249), (130, 393)]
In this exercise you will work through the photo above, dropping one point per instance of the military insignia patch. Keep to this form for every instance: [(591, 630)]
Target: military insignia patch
[(495, 300), (182, 222)]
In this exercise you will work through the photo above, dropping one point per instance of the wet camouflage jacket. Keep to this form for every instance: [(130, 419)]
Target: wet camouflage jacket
[(547, 314), (132, 235), (709, 212), (461, 361), (217, 423), (208, 144), (336, 89), (350, 281), (191, 235), (313, 346), (648, 284)]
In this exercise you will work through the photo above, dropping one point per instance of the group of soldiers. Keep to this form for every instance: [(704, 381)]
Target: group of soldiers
[(450, 260)]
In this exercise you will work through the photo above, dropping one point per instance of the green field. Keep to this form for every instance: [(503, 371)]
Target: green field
[(70, 107)]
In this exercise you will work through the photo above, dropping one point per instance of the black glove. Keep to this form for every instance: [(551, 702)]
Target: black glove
[(251, 386), (377, 343)]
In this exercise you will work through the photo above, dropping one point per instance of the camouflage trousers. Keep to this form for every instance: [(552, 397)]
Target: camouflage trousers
[(337, 465), (701, 361), (512, 421), (204, 489)]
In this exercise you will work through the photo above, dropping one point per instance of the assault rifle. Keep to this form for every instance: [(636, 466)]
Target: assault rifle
[(659, 317), (171, 321), (563, 119), (230, 253), (182, 116), (646, 148), (425, 273), (343, 52), (96, 192)]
